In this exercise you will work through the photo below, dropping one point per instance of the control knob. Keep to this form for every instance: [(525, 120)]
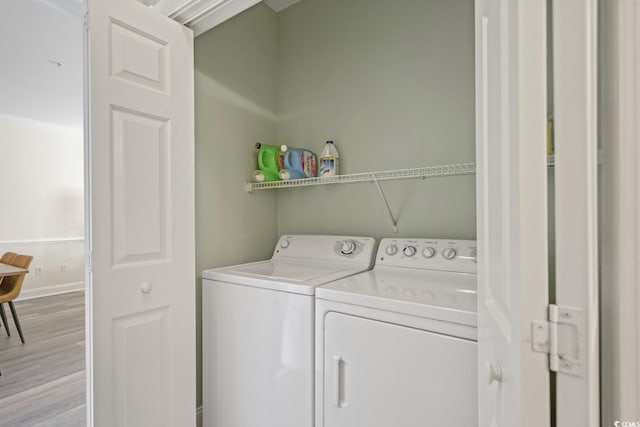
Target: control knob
[(449, 253), (391, 250), (429, 252), (284, 244), (348, 247), (409, 251)]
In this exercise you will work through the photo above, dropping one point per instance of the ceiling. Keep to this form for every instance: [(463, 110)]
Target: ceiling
[(36, 35), (41, 42)]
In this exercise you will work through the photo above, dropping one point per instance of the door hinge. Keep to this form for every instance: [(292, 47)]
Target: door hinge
[(89, 260), (562, 338)]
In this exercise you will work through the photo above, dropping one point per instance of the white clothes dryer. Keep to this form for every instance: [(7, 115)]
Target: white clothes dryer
[(258, 330), (396, 346)]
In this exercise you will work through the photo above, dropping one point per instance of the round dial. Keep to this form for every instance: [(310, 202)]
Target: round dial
[(449, 253), (284, 244), (429, 252), (348, 247), (391, 250), (409, 251), (474, 255)]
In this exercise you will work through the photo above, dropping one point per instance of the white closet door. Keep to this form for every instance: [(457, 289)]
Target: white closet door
[(575, 50), (379, 374), (513, 380), (141, 183)]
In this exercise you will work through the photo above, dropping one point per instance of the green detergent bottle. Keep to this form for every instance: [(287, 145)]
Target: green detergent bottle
[(269, 162)]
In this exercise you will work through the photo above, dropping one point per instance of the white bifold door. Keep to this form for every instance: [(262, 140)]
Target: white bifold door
[(140, 168), (521, 338)]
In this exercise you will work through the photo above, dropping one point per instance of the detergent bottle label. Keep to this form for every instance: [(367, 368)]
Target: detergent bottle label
[(328, 166), (308, 165), (280, 160)]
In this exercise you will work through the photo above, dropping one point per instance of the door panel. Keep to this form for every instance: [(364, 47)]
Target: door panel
[(140, 193), (378, 374), (142, 292), (140, 58), (141, 334), (513, 381)]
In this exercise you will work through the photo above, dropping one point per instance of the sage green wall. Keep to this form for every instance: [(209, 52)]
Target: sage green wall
[(235, 104), (393, 84)]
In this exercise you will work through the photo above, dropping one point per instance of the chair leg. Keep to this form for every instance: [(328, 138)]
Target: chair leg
[(16, 321), (4, 319)]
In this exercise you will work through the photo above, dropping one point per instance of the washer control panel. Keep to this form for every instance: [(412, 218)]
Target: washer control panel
[(429, 254), (326, 248)]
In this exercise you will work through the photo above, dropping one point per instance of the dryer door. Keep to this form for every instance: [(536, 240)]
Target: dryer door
[(378, 374)]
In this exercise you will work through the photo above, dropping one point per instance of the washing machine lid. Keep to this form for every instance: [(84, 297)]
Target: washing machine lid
[(437, 295), (296, 276)]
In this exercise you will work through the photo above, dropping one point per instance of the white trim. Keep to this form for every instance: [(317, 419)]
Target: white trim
[(278, 5), (627, 187), (40, 124), (575, 48), (55, 240), (88, 215), (199, 416), (203, 15), (46, 291)]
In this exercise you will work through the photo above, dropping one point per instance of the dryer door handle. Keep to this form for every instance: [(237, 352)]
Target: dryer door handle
[(337, 381)]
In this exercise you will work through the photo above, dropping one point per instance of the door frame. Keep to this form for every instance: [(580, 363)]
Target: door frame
[(88, 286), (575, 74), (628, 155), (620, 206)]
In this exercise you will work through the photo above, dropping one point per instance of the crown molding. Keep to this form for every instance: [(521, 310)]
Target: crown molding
[(203, 15), (278, 5)]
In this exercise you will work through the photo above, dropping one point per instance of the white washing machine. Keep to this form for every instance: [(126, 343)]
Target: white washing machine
[(396, 346), (258, 330)]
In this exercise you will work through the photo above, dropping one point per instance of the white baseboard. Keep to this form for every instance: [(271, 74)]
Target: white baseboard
[(199, 416), (50, 290)]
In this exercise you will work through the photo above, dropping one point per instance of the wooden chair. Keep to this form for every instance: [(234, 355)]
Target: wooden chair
[(7, 257), (10, 288)]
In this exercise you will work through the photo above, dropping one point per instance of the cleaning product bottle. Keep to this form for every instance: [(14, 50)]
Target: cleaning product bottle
[(269, 163), (298, 163), (329, 160)]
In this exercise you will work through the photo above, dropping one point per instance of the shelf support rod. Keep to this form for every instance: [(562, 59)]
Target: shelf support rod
[(386, 202)]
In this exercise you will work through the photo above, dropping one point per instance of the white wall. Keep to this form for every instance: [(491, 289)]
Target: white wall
[(391, 82), (42, 204)]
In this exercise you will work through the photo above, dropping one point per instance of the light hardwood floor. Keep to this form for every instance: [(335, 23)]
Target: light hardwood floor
[(43, 380)]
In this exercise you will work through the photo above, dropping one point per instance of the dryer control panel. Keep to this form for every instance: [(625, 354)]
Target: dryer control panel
[(429, 254)]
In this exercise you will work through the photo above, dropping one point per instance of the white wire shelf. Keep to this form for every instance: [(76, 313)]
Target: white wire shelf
[(389, 175)]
